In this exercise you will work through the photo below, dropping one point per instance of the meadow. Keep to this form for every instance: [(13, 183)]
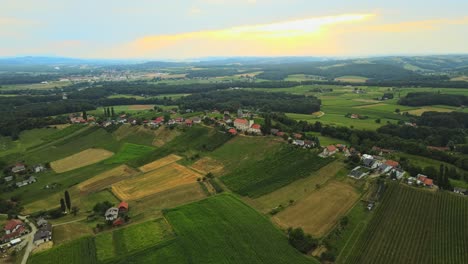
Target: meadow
[(276, 170), (414, 226), (222, 229), (76, 252), (128, 152)]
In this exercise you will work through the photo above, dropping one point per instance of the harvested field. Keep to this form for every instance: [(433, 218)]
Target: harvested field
[(71, 231), (160, 163), (321, 210), (106, 179), (207, 164), (80, 159), (140, 107), (420, 111), (164, 135), (369, 106), (157, 180)]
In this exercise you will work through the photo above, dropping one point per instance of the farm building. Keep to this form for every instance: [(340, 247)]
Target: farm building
[(19, 167), (460, 191), (255, 128), (43, 234), (274, 131), (13, 229), (232, 131), (112, 214), (188, 122), (424, 180), (196, 120), (118, 222), (28, 181), (298, 142), (358, 173), (38, 168), (123, 207)]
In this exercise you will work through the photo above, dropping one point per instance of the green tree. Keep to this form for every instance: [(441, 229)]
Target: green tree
[(85, 116), (113, 112), (75, 210), (62, 205), (167, 117), (68, 200)]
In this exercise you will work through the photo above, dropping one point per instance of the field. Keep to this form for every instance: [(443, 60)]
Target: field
[(160, 163), (208, 165), (320, 210), (164, 135), (154, 181), (273, 172), (129, 152), (76, 252), (222, 229), (123, 241), (352, 79), (414, 226), (298, 189), (81, 159), (106, 179), (69, 232), (135, 134), (420, 111)]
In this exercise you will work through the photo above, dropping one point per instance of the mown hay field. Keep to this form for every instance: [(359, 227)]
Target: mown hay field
[(106, 179), (414, 226), (80, 159), (320, 210), (160, 163), (158, 180)]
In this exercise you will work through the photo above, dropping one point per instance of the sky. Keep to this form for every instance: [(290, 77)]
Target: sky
[(187, 29)]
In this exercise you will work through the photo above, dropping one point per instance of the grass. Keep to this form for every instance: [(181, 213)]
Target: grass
[(135, 134), (78, 251), (222, 229), (129, 152), (69, 232), (60, 133), (414, 226), (275, 171), (354, 79), (27, 139), (106, 179)]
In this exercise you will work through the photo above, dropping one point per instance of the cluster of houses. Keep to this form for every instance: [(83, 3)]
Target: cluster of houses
[(78, 119), (331, 150), (244, 125), (373, 164), (20, 169), (421, 180), (116, 214), (13, 229)]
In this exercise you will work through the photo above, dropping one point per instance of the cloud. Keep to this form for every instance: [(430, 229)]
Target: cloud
[(194, 11), (294, 37), (418, 26)]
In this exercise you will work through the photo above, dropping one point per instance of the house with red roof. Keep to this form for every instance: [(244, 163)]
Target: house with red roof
[(392, 163), (188, 122), (241, 124), (232, 131), (424, 180), (14, 229), (255, 128), (297, 136), (329, 151), (123, 207), (118, 222)]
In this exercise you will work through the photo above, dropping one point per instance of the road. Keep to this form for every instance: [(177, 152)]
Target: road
[(69, 222), (29, 239)]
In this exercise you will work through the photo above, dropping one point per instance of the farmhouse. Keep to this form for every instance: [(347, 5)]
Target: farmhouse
[(392, 163), (328, 151), (43, 234), (13, 229), (426, 181), (28, 181), (232, 131), (19, 167), (112, 214), (118, 222), (188, 122), (241, 124), (255, 128), (298, 142), (38, 168), (196, 120)]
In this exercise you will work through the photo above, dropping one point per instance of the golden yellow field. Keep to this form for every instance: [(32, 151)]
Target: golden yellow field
[(207, 164), (420, 111), (140, 107), (106, 179), (159, 163), (321, 210), (80, 159), (157, 180)]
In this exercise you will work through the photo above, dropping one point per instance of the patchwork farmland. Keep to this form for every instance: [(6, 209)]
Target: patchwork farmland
[(81, 159), (107, 178)]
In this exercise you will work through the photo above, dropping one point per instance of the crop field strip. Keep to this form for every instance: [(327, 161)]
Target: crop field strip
[(80, 159), (106, 179), (160, 163), (413, 226)]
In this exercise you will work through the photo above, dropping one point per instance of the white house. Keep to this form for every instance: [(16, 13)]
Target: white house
[(241, 124), (112, 213)]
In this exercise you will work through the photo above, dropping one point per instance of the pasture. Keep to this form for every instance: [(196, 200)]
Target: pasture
[(222, 229), (208, 165), (69, 232), (106, 179), (276, 170), (420, 111), (154, 181), (80, 159), (414, 226), (352, 79), (164, 135), (135, 134), (319, 211), (128, 152)]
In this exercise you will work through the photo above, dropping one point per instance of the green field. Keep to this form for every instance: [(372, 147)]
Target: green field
[(79, 251), (129, 152), (222, 229), (414, 226), (274, 171)]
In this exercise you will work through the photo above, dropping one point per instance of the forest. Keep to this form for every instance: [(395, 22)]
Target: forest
[(422, 99)]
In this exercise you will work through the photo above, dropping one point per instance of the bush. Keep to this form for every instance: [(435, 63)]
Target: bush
[(301, 241)]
